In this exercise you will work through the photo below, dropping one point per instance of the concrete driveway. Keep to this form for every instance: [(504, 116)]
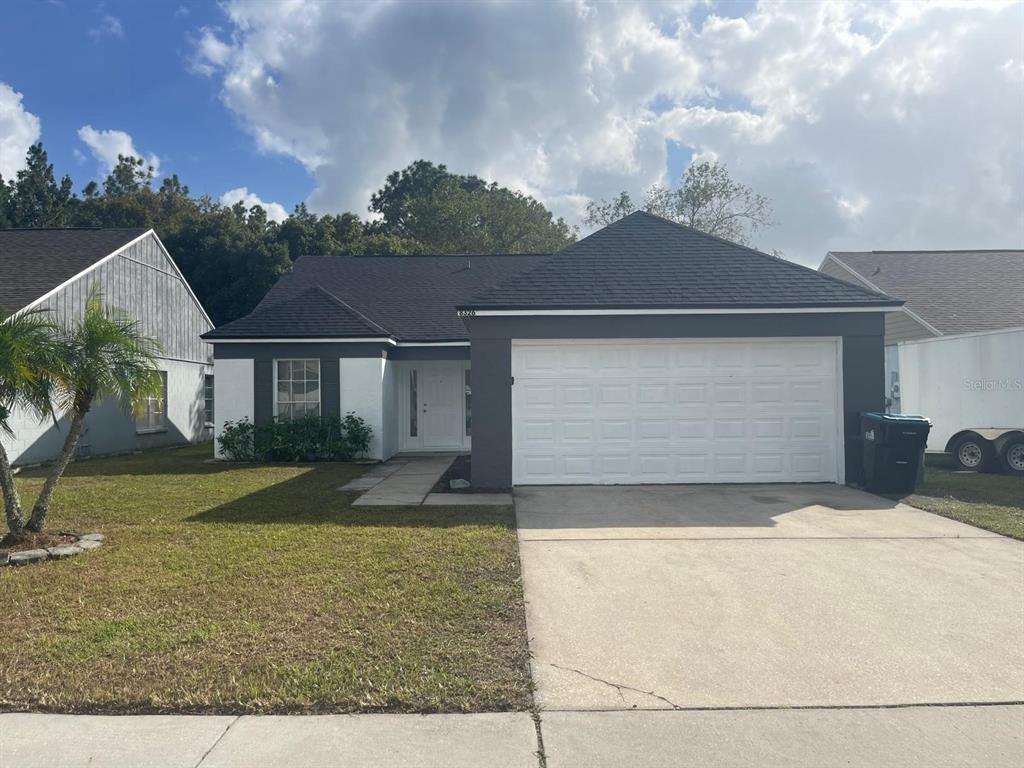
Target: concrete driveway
[(773, 597)]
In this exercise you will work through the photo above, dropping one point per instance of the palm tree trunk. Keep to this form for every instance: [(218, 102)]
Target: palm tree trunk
[(12, 502), (42, 505)]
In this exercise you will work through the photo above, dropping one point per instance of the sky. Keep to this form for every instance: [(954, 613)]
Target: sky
[(868, 125)]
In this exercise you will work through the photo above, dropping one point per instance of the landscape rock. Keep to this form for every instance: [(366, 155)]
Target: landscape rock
[(67, 550), (28, 556), (457, 484), (89, 544), (92, 537)]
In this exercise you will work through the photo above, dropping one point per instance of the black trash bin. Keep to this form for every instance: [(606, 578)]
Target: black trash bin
[(894, 446)]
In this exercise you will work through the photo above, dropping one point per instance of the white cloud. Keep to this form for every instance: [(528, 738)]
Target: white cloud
[(107, 145), (19, 130), (275, 211), (108, 26), (869, 124)]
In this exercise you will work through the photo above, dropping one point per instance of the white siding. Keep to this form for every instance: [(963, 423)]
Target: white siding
[(973, 380)]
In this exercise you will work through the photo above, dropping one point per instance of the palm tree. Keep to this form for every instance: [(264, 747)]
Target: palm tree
[(103, 356), (29, 362)]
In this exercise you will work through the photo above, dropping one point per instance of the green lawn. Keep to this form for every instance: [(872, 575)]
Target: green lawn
[(990, 501), (258, 589)]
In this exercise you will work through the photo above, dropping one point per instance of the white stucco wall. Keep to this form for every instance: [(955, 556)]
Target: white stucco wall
[(389, 432), (362, 392), (972, 380), (110, 429), (233, 397)]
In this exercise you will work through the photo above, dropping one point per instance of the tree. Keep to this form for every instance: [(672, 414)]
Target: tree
[(37, 200), (29, 363), (708, 199), (102, 356), (449, 213)]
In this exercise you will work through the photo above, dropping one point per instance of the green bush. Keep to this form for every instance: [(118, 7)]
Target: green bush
[(310, 438)]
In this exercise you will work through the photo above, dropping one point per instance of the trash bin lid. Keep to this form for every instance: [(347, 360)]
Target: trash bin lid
[(900, 418)]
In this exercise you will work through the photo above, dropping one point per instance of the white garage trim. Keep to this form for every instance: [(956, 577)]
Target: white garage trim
[(622, 411)]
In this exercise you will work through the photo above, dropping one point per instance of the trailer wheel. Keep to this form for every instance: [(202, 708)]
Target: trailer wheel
[(973, 453), (1013, 456)]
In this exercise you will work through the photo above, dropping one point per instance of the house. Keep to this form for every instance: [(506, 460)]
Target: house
[(647, 352), (55, 270), (955, 351)]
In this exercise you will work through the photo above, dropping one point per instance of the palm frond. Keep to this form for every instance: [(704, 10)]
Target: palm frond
[(30, 363)]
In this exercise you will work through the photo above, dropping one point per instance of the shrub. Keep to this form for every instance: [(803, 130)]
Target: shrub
[(310, 438)]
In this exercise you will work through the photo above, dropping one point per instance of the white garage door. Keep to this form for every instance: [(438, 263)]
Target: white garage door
[(677, 411)]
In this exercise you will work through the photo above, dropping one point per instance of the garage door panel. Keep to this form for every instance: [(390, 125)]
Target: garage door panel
[(675, 411)]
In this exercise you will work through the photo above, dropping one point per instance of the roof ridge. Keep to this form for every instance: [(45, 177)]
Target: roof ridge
[(345, 305), (75, 229), (755, 251), (425, 255)]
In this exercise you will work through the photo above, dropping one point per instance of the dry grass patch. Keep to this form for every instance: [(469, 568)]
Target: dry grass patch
[(259, 589)]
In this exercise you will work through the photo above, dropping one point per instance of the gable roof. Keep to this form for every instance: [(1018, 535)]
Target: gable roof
[(952, 291), (406, 298), (645, 261), (307, 312), (33, 262)]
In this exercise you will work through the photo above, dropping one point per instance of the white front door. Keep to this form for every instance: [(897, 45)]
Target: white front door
[(433, 405), (441, 407), (676, 411)]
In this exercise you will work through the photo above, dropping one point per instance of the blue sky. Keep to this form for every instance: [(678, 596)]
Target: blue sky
[(138, 81), (841, 112)]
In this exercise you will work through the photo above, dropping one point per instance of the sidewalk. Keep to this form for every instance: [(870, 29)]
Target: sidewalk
[(500, 740), (888, 737)]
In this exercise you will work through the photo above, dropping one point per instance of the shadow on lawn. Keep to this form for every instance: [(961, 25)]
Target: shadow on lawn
[(313, 498), (178, 460)]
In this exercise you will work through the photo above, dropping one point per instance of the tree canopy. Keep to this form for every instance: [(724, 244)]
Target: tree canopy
[(232, 255), (708, 199)]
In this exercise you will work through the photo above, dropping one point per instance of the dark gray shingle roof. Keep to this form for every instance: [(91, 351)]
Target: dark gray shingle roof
[(954, 291), (645, 261), (35, 261), (306, 312), (412, 298)]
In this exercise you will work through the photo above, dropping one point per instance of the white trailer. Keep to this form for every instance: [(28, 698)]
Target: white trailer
[(971, 386)]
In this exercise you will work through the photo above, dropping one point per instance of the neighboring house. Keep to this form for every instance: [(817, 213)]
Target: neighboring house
[(55, 270), (955, 350), (647, 352)]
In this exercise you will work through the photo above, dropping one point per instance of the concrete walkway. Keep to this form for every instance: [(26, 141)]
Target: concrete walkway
[(399, 481), (408, 481), (501, 740)]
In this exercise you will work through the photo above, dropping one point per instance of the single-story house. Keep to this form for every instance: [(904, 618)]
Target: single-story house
[(954, 351), (55, 270), (647, 352)]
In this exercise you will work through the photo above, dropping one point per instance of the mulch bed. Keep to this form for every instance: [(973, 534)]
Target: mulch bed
[(28, 540)]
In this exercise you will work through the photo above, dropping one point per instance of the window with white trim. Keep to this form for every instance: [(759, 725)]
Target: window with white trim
[(152, 413), (208, 399), (298, 388)]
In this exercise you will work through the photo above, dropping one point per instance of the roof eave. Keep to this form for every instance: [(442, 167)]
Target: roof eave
[(891, 305)]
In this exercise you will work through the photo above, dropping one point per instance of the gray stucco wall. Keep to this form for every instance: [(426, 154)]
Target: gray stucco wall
[(491, 337)]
